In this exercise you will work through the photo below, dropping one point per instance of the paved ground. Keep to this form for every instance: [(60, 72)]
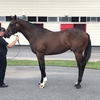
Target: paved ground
[(60, 85), (23, 80)]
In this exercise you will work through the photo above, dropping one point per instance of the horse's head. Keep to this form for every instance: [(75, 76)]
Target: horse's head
[(12, 28)]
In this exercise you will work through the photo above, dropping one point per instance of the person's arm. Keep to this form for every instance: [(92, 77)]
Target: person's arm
[(13, 43)]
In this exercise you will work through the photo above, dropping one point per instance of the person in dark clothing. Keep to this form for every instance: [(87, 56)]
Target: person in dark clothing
[(3, 52)]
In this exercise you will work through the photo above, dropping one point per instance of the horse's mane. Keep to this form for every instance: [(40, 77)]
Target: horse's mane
[(37, 25), (34, 24)]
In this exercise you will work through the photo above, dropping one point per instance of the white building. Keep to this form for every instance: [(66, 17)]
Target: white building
[(55, 15)]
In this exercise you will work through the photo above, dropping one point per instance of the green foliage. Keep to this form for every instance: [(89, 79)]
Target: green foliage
[(22, 63), (93, 65), (63, 63)]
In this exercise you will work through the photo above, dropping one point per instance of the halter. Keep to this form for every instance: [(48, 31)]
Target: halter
[(15, 29)]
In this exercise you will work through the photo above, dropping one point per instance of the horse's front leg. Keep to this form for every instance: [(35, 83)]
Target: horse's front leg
[(43, 76), (41, 62)]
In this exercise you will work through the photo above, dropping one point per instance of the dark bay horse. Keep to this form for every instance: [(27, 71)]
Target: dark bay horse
[(45, 42)]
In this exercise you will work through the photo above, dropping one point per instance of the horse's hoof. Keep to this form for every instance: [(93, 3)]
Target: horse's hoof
[(41, 86), (78, 86)]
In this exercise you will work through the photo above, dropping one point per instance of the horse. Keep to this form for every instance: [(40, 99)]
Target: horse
[(46, 42)]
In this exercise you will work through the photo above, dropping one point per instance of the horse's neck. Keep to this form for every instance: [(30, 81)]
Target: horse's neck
[(25, 29), (29, 30)]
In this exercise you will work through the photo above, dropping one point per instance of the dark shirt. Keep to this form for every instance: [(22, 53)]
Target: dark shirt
[(3, 48)]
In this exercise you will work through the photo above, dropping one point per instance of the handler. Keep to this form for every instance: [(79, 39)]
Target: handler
[(3, 52)]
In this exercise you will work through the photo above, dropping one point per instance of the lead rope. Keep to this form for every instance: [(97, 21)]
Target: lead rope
[(18, 51)]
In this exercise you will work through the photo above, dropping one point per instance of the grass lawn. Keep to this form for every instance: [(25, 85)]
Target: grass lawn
[(63, 63)]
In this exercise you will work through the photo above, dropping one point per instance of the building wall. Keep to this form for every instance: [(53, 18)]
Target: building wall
[(54, 8), (94, 30), (50, 7)]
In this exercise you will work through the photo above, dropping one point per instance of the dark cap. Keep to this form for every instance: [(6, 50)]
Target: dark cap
[(2, 29)]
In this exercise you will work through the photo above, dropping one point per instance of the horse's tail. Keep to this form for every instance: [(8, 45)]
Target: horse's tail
[(87, 52)]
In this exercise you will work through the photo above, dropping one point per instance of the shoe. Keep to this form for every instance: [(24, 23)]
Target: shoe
[(3, 85)]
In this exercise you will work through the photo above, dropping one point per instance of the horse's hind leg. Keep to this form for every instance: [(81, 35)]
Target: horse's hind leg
[(81, 67), (41, 62)]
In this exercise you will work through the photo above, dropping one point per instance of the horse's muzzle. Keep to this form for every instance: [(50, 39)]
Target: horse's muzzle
[(6, 36)]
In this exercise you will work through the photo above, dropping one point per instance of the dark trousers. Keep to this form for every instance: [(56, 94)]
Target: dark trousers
[(3, 64)]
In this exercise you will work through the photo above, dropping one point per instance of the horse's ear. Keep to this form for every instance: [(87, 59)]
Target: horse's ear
[(15, 17)]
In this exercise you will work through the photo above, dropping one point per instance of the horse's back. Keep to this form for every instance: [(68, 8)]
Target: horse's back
[(72, 38), (76, 38)]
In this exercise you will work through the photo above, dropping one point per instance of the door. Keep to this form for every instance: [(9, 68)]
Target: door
[(66, 26), (80, 26)]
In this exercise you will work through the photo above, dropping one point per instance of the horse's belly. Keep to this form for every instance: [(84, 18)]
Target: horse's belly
[(57, 50)]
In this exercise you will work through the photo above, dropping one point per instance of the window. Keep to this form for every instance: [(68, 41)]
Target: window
[(93, 19), (52, 19), (75, 19), (83, 19), (38, 24), (2, 18), (63, 19), (88, 19), (24, 17), (69, 19), (98, 19), (32, 18), (42, 19), (8, 18)]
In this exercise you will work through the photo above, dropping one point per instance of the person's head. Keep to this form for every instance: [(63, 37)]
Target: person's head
[(2, 31)]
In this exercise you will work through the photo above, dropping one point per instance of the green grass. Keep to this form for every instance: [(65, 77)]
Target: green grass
[(63, 63)]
